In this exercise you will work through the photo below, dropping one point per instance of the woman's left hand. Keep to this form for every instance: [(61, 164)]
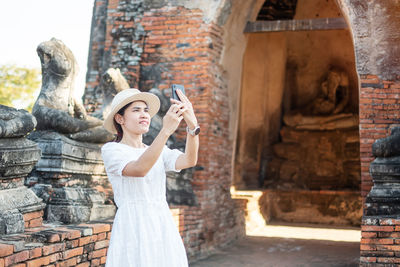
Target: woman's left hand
[(188, 112)]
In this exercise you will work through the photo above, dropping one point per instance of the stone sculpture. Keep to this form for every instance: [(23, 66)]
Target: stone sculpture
[(326, 111), (111, 83), (333, 96), (15, 123), (17, 158), (70, 175), (56, 107), (384, 197)]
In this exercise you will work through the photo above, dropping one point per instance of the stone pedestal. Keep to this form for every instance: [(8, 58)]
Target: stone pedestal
[(384, 197), (315, 160), (19, 206), (70, 177)]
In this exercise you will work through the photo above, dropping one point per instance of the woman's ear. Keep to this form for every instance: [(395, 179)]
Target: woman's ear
[(119, 119)]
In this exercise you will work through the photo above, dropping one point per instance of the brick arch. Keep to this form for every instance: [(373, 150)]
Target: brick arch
[(374, 28), (235, 42)]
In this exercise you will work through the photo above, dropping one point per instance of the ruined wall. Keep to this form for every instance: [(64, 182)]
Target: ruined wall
[(284, 71), (373, 26), (156, 44), (376, 37), (312, 53), (264, 64)]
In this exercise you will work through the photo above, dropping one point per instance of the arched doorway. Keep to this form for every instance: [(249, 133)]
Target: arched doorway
[(290, 143)]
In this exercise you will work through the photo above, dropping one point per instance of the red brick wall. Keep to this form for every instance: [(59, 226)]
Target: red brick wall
[(71, 245), (179, 47), (188, 51), (379, 110)]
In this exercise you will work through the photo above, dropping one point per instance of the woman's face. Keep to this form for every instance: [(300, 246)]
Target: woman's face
[(136, 118)]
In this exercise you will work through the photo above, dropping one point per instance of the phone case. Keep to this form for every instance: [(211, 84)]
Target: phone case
[(174, 88)]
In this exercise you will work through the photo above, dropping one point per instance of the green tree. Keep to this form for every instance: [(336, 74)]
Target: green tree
[(19, 86)]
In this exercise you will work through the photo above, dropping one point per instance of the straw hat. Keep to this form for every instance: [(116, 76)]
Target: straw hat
[(128, 96)]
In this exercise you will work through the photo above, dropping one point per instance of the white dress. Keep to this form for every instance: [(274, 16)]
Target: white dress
[(144, 233)]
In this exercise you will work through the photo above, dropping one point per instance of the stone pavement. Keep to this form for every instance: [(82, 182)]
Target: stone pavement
[(318, 250), (284, 252)]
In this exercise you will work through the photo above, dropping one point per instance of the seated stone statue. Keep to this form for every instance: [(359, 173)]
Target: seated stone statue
[(388, 146), (333, 96), (15, 122), (111, 83), (325, 112), (56, 108)]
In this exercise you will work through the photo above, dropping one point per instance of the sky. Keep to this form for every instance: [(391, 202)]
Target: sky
[(24, 24)]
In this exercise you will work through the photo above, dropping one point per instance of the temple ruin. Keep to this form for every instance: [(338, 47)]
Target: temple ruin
[(298, 101)]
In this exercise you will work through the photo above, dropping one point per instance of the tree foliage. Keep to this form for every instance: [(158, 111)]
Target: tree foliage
[(19, 86)]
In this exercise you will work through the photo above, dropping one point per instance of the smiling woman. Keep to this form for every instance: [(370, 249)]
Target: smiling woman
[(37, 21)]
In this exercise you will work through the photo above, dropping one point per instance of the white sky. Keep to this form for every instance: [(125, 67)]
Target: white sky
[(24, 24)]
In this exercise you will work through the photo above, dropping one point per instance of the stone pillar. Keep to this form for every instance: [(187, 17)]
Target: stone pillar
[(20, 208), (384, 197), (71, 179)]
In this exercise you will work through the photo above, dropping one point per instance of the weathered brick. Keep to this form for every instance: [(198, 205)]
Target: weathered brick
[(50, 249), (99, 228), (67, 263), (101, 244), (95, 262), (16, 257), (388, 260), (6, 249), (38, 262), (32, 215), (73, 252), (56, 257), (35, 252), (98, 253), (86, 240), (368, 259), (102, 236), (376, 228), (385, 241)]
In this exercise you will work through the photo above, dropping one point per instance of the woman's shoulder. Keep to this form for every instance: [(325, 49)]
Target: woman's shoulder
[(112, 146)]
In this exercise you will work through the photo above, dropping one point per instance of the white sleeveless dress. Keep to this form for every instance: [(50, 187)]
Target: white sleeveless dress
[(144, 233)]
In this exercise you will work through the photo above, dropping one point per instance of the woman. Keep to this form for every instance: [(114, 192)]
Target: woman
[(144, 233)]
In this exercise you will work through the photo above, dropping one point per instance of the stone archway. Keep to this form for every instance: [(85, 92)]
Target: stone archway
[(270, 74)]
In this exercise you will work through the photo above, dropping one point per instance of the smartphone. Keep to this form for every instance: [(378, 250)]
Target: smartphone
[(174, 88)]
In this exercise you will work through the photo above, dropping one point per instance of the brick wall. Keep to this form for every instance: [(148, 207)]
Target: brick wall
[(379, 111), (159, 46), (51, 245)]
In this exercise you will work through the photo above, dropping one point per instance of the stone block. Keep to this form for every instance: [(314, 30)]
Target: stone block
[(69, 177), (18, 156), (289, 151), (63, 155), (384, 197)]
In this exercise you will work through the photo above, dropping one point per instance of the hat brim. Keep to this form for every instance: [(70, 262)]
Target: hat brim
[(152, 101)]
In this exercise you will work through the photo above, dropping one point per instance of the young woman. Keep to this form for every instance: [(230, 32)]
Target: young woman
[(144, 233)]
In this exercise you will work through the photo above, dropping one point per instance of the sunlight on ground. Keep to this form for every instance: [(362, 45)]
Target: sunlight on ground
[(301, 232)]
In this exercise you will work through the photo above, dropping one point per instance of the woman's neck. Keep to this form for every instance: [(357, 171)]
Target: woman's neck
[(133, 140)]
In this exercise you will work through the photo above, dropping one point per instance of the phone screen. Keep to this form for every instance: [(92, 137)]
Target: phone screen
[(174, 88)]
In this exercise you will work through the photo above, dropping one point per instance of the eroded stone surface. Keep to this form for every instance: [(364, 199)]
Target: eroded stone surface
[(17, 158), (15, 122), (56, 107)]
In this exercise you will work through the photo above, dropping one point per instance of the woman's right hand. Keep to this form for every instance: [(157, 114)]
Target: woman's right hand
[(172, 118)]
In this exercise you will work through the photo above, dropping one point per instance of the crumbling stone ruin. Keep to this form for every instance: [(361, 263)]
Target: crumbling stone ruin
[(245, 65)]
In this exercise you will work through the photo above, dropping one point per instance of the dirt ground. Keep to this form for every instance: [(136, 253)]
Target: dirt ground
[(273, 247)]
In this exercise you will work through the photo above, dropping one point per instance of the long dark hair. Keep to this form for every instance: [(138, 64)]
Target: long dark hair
[(117, 126)]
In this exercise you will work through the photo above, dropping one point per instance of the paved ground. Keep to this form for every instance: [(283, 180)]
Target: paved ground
[(271, 251), (260, 251)]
